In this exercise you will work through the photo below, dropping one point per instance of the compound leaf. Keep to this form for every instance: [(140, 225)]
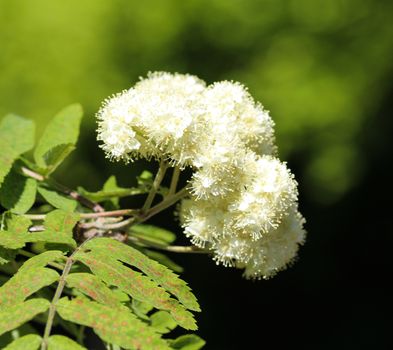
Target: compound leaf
[(42, 259), (59, 138), (14, 236), (27, 342), (57, 200), (102, 256), (187, 342), (153, 233), (93, 287), (159, 273), (16, 137), (24, 283), (162, 322), (60, 342), (15, 315), (18, 192), (116, 326), (58, 229)]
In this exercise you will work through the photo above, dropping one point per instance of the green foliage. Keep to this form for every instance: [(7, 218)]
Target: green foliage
[(188, 342), (42, 259), (59, 342), (27, 342), (25, 283), (17, 193), (92, 286), (162, 322), (59, 138), (57, 200), (58, 229), (112, 192), (141, 287), (129, 296), (16, 137), (17, 314), (115, 326), (6, 255), (153, 233)]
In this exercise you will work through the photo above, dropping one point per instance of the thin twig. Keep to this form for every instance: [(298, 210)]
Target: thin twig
[(166, 203), (168, 248), (113, 213), (174, 180), (56, 297), (109, 226), (156, 184), (61, 188)]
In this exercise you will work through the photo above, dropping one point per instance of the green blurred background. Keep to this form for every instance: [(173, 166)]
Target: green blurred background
[(323, 68)]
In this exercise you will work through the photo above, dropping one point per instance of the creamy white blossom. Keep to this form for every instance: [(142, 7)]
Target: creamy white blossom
[(243, 200), (152, 119), (234, 112), (266, 256)]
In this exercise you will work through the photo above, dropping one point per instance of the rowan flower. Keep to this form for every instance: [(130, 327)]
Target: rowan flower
[(266, 256), (151, 119), (258, 205), (233, 111), (243, 200)]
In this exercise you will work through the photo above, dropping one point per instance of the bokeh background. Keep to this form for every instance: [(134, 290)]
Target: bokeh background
[(324, 69)]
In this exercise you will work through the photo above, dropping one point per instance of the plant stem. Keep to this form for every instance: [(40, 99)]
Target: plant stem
[(56, 297), (61, 188), (168, 248), (156, 184), (174, 180), (113, 213), (166, 203), (81, 334)]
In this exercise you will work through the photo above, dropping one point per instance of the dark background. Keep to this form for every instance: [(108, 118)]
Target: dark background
[(323, 68)]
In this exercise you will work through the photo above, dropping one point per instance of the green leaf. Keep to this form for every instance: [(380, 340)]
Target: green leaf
[(60, 342), (101, 255), (136, 285), (111, 192), (42, 259), (15, 235), (187, 342), (61, 221), (159, 273), (92, 286), (145, 178), (16, 137), (19, 332), (115, 326), (141, 309), (25, 283), (55, 156), (17, 193), (13, 316), (57, 200), (59, 138), (27, 342), (153, 233), (58, 229), (163, 259), (6, 255), (163, 322)]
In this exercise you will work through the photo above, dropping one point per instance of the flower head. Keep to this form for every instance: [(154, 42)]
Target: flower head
[(243, 200)]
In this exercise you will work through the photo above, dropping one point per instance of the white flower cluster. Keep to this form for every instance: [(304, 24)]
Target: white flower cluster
[(243, 201)]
